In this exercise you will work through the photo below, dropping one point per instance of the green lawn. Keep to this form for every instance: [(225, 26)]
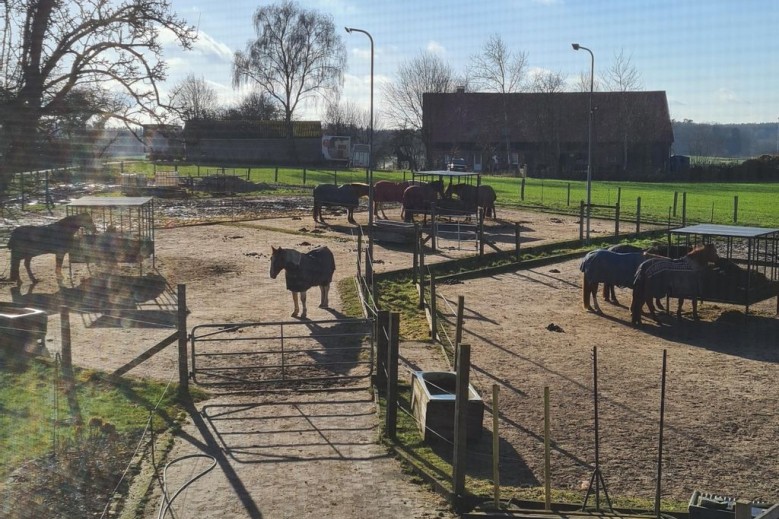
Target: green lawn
[(705, 202)]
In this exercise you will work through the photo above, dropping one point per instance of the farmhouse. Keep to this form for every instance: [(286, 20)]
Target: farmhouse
[(253, 142), (546, 134)]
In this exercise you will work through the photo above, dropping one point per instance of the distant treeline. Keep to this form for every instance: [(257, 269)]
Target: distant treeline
[(725, 140)]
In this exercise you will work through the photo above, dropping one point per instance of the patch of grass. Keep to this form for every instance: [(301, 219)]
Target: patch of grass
[(400, 295), (39, 409)]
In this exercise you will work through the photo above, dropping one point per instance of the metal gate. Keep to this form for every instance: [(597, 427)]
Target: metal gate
[(285, 352)]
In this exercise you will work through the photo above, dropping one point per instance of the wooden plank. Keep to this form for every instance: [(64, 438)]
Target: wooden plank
[(771, 513)]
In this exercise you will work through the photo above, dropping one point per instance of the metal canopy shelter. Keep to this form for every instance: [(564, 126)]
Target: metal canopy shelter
[(131, 217), (466, 177), (755, 249)]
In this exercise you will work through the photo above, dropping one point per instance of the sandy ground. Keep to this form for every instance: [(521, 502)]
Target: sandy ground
[(720, 425)]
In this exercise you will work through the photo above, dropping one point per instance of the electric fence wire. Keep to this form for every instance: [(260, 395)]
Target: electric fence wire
[(138, 446)]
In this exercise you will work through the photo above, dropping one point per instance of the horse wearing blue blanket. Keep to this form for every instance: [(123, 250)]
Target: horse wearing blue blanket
[(605, 266)]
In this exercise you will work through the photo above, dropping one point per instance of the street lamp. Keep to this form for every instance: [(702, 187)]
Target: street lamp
[(369, 170), (576, 46)]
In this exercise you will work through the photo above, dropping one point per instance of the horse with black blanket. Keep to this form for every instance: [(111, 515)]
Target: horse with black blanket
[(347, 196), (303, 271), (28, 241)]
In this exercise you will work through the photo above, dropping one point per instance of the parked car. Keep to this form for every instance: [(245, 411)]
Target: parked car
[(457, 165)]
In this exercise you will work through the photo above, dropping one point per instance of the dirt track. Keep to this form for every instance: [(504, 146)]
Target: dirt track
[(720, 425)]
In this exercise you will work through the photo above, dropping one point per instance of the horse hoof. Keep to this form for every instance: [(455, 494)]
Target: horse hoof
[(294, 314)]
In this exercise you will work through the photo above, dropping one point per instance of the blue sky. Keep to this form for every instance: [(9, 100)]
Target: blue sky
[(717, 60)]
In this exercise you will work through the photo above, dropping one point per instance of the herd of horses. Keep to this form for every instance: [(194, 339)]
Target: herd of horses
[(652, 274), (416, 198)]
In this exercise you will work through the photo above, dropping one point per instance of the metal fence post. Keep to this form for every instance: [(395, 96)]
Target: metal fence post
[(433, 323), (182, 332), (382, 345)]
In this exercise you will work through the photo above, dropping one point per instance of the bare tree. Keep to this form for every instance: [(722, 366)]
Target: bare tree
[(497, 68), (583, 83), (109, 51), (255, 105), (296, 55), (403, 99), (622, 75), (547, 82), (194, 98)]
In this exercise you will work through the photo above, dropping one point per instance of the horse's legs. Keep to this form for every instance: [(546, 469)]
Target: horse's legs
[(303, 304), (325, 290), (29, 271), (58, 265), (350, 215), (594, 292), (295, 300)]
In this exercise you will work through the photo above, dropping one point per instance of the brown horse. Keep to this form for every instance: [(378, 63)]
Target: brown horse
[(474, 197), (418, 198), (28, 241), (678, 278), (386, 191)]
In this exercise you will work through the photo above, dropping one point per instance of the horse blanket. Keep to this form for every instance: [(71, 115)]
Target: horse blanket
[(678, 278), (613, 268), (314, 268), (330, 194)]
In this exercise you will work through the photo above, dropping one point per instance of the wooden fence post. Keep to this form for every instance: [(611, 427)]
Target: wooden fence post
[(460, 421), (684, 209), (616, 219), (382, 345), (433, 323), (67, 356), (676, 198), (415, 262), (638, 215), (735, 209), (458, 331), (480, 216), (276, 176), (619, 195), (182, 331), (433, 232), (581, 220), (304, 176), (392, 375), (522, 190)]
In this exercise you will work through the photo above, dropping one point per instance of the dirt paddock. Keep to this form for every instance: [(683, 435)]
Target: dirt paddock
[(721, 424)]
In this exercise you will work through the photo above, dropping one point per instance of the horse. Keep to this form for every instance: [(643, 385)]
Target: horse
[(347, 195), (387, 191), (608, 267), (28, 241), (668, 251), (679, 278), (303, 271), (475, 196), (417, 198)]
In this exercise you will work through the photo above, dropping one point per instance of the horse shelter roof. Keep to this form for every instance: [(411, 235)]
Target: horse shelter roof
[(727, 231)]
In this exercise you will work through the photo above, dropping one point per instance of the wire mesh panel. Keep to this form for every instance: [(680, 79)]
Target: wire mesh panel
[(288, 352)]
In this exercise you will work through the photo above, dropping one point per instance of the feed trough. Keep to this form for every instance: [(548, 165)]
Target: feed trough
[(21, 326), (433, 404)]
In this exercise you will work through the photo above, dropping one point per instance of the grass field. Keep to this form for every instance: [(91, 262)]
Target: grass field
[(702, 202)]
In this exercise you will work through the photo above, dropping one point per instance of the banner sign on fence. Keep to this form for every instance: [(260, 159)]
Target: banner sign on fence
[(336, 148)]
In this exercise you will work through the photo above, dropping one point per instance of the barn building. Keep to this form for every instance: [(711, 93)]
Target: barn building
[(546, 134)]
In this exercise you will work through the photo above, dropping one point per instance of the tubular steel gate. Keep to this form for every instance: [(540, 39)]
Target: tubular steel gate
[(288, 352)]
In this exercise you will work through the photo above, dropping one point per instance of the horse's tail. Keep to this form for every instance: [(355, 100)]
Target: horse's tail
[(585, 291)]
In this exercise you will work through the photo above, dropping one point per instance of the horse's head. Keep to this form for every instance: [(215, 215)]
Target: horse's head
[(276, 261), (84, 220), (438, 187), (704, 254)]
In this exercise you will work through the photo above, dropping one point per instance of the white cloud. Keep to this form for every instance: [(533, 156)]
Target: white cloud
[(435, 48), (726, 95)]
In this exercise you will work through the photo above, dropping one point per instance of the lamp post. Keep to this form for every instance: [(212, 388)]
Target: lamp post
[(576, 46), (369, 170)]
